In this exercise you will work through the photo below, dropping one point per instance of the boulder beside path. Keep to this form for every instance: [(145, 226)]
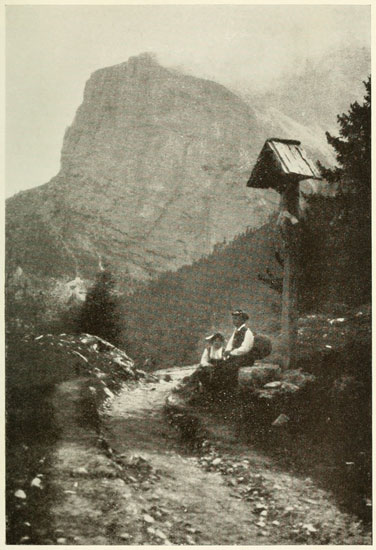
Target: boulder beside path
[(258, 375)]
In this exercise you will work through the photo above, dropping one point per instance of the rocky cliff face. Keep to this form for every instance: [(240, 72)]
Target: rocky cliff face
[(153, 174)]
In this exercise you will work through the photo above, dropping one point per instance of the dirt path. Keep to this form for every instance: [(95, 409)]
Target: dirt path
[(144, 487), (230, 496), (200, 508)]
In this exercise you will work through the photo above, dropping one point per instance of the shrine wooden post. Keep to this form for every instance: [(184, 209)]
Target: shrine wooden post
[(281, 165), (288, 221)]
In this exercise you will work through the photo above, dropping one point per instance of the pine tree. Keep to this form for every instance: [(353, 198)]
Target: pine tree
[(100, 313), (353, 149), (353, 180)]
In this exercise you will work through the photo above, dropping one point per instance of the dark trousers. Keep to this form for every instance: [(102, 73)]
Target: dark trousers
[(223, 375), (226, 373)]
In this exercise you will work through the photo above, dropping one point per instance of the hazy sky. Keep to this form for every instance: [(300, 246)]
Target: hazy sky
[(52, 50)]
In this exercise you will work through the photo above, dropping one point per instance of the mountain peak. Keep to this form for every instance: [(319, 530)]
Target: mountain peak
[(153, 174), (135, 66), (143, 59)]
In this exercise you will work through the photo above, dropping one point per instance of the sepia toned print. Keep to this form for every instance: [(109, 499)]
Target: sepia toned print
[(188, 275)]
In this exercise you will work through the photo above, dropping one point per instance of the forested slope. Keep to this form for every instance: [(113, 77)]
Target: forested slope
[(167, 318)]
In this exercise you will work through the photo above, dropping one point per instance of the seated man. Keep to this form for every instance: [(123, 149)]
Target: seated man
[(238, 352)]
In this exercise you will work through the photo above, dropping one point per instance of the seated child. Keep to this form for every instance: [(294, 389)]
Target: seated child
[(213, 352)]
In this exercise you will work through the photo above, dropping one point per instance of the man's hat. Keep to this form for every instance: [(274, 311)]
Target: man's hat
[(214, 336), (240, 313)]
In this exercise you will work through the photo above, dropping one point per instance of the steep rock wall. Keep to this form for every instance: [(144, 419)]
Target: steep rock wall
[(153, 174)]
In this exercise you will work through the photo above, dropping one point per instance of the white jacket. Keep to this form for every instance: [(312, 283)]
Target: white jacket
[(211, 353)]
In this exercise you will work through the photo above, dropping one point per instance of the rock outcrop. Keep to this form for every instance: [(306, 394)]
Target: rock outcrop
[(153, 174), (51, 359)]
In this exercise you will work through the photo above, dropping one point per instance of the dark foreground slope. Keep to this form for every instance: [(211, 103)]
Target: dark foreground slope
[(50, 381)]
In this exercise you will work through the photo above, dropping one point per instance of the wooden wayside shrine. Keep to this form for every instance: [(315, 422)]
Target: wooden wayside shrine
[(281, 165)]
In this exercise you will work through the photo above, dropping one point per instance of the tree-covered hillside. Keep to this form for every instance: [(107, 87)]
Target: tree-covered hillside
[(166, 319)]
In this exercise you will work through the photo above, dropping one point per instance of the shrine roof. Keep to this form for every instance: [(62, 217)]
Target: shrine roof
[(280, 158)]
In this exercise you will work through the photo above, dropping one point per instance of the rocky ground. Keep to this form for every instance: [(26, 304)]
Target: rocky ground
[(138, 483)]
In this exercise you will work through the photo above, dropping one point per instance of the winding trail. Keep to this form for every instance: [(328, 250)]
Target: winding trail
[(202, 507), (195, 499), (138, 484)]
